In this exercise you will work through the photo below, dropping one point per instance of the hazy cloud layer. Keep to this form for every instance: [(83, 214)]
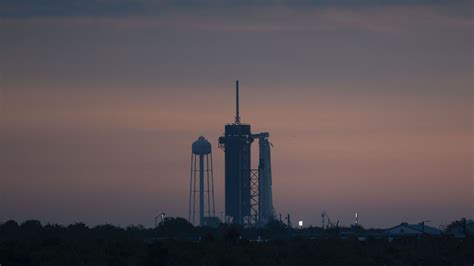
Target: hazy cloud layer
[(124, 8), (273, 18)]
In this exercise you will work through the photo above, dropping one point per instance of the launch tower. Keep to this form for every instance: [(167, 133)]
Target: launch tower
[(248, 192)]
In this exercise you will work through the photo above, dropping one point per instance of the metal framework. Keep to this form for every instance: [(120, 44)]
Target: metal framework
[(254, 197)]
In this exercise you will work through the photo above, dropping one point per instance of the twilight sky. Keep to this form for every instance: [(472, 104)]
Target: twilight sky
[(369, 105)]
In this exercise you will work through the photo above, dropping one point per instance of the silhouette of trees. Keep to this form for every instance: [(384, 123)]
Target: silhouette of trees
[(171, 227), (176, 242), (232, 234), (9, 227), (276, 226), (31, 226), (457, 223)]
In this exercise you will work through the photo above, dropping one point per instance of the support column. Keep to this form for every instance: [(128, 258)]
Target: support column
[(201, 189)]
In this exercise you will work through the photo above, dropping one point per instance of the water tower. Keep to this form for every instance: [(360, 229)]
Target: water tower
[(201, 167)]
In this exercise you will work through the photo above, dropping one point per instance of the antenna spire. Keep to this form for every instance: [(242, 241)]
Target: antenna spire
[(237, 116)]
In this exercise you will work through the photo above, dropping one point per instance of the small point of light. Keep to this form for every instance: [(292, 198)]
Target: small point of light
[(300, 223)]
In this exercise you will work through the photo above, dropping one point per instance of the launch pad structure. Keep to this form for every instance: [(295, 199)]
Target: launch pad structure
[(248, 191)]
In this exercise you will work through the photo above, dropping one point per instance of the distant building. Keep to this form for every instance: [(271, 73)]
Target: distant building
[(405, 229)]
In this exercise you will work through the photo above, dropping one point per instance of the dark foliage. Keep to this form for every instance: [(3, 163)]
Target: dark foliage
[(457, 223), (176, 242)]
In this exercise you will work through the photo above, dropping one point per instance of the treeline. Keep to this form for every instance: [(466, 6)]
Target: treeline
[(170, 228), (177, 242)]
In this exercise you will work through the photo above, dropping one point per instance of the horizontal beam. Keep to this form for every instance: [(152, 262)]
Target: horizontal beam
[(260, 135)]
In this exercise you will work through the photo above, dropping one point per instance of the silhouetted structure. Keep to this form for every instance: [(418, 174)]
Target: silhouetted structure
[(202, 153), (405, 229), (248, 194), (265, 197)]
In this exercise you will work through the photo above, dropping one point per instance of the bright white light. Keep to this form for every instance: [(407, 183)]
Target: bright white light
[(300, 223)]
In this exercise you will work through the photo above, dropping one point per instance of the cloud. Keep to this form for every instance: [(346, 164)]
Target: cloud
[(32, 8), (382, 19)]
